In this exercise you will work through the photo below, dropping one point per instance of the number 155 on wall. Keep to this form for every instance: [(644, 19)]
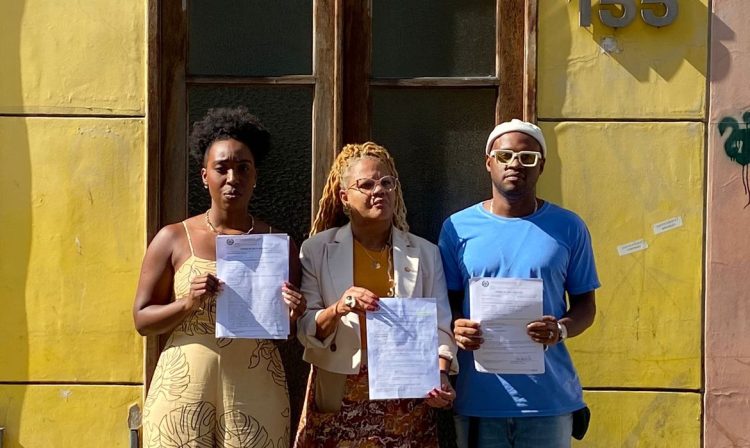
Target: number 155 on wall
[(628, 10)]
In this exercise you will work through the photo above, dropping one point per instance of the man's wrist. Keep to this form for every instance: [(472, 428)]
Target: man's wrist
[(562, 332)]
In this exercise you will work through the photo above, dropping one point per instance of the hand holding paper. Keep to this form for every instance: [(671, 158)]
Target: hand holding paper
[(503, 307), (468, 334), (402, 348), (253, 269)]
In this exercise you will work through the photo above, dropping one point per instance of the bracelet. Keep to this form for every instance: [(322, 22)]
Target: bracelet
[(444, 372)]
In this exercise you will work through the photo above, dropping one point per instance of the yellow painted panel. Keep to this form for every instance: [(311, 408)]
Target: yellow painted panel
[(622, 178), (66, 416), (73, 57), (643, 419), (638, 71), (73, 231)]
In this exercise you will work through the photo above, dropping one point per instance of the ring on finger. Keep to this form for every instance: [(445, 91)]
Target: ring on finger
[(350, 302)]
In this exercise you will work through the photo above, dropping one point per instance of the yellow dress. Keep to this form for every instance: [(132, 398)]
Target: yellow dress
[(208, 392)]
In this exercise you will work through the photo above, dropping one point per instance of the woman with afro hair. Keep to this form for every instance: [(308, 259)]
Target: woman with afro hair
[(209, 392)]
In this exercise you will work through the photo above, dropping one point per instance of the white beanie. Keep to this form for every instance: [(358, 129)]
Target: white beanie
[(516, 125)]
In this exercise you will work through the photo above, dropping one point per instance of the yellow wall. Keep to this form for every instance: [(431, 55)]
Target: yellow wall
[(73, 57), (622, 178), (72, 219), (87, 217), (643, 420), (648, 72), (68, 415), (624, 114)]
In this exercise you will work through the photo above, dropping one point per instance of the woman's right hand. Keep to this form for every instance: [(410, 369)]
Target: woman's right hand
[(202, 288), (357, 300)]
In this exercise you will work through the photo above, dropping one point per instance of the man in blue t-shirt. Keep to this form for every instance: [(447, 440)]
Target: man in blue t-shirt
[(517, 235)]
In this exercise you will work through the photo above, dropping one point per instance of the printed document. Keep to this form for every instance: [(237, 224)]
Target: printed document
[(503, 307), (253, 269), (402, 348)]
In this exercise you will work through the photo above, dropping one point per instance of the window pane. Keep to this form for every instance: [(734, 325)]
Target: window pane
[(282, 196), (433, 38), (437, 137), (250, 37)]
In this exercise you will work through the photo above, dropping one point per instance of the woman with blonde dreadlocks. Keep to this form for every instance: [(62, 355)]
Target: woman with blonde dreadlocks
[(360, 250)]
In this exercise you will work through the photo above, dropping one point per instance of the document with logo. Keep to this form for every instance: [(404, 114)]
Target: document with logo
[(503, 307), (253, 269), (402, 348)]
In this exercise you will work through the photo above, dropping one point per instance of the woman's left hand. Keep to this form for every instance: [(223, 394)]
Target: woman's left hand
[(443, 397), (294, 299)]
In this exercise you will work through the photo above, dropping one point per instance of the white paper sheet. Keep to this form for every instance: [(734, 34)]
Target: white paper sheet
[(402, 348), (633, 246), (503, 307), (253, 269), (669, 224)]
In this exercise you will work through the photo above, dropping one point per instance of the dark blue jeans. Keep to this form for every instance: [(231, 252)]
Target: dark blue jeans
[(517, 432)]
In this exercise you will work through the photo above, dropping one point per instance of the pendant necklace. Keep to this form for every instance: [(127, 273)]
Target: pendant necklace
[(373, 262), (216, 231)]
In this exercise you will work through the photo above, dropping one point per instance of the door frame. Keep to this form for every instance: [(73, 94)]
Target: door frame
[(340, 93)]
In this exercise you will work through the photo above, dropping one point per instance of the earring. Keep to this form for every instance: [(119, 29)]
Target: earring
[(205, 186), (347, 209), (254, 185)]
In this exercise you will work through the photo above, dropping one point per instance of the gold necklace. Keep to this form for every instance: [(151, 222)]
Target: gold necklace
[(373, 262), (391, 281), (214, 230)]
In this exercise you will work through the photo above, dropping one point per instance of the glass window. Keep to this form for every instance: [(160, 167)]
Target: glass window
[(437, 137), (433, 38), (282, 196), (250, 37)]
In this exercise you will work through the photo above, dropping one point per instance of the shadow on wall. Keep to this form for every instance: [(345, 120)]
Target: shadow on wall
[(721, 58), (15, 228), (550, 182), (661, 59), (638, 48)]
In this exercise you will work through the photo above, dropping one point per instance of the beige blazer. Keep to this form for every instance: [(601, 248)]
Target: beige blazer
[(327, 271)]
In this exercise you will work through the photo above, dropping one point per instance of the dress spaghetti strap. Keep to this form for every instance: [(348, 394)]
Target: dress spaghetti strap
[(190, 241)]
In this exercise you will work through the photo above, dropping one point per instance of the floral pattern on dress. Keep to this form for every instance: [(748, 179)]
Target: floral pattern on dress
[(365, 423), (268, 351), (186, 409), (171, 377), (191, 426), (238, 430)]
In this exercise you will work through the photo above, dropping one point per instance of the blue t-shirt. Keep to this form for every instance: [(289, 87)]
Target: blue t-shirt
[(552, 244)]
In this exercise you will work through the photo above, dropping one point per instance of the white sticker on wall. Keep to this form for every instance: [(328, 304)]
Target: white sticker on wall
[(631, 247), (671, 223)]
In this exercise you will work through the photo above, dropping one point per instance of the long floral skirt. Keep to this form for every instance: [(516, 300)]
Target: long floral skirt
[(365, 423)]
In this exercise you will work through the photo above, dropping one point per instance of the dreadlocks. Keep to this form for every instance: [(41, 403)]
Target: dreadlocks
[(331, 210)]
